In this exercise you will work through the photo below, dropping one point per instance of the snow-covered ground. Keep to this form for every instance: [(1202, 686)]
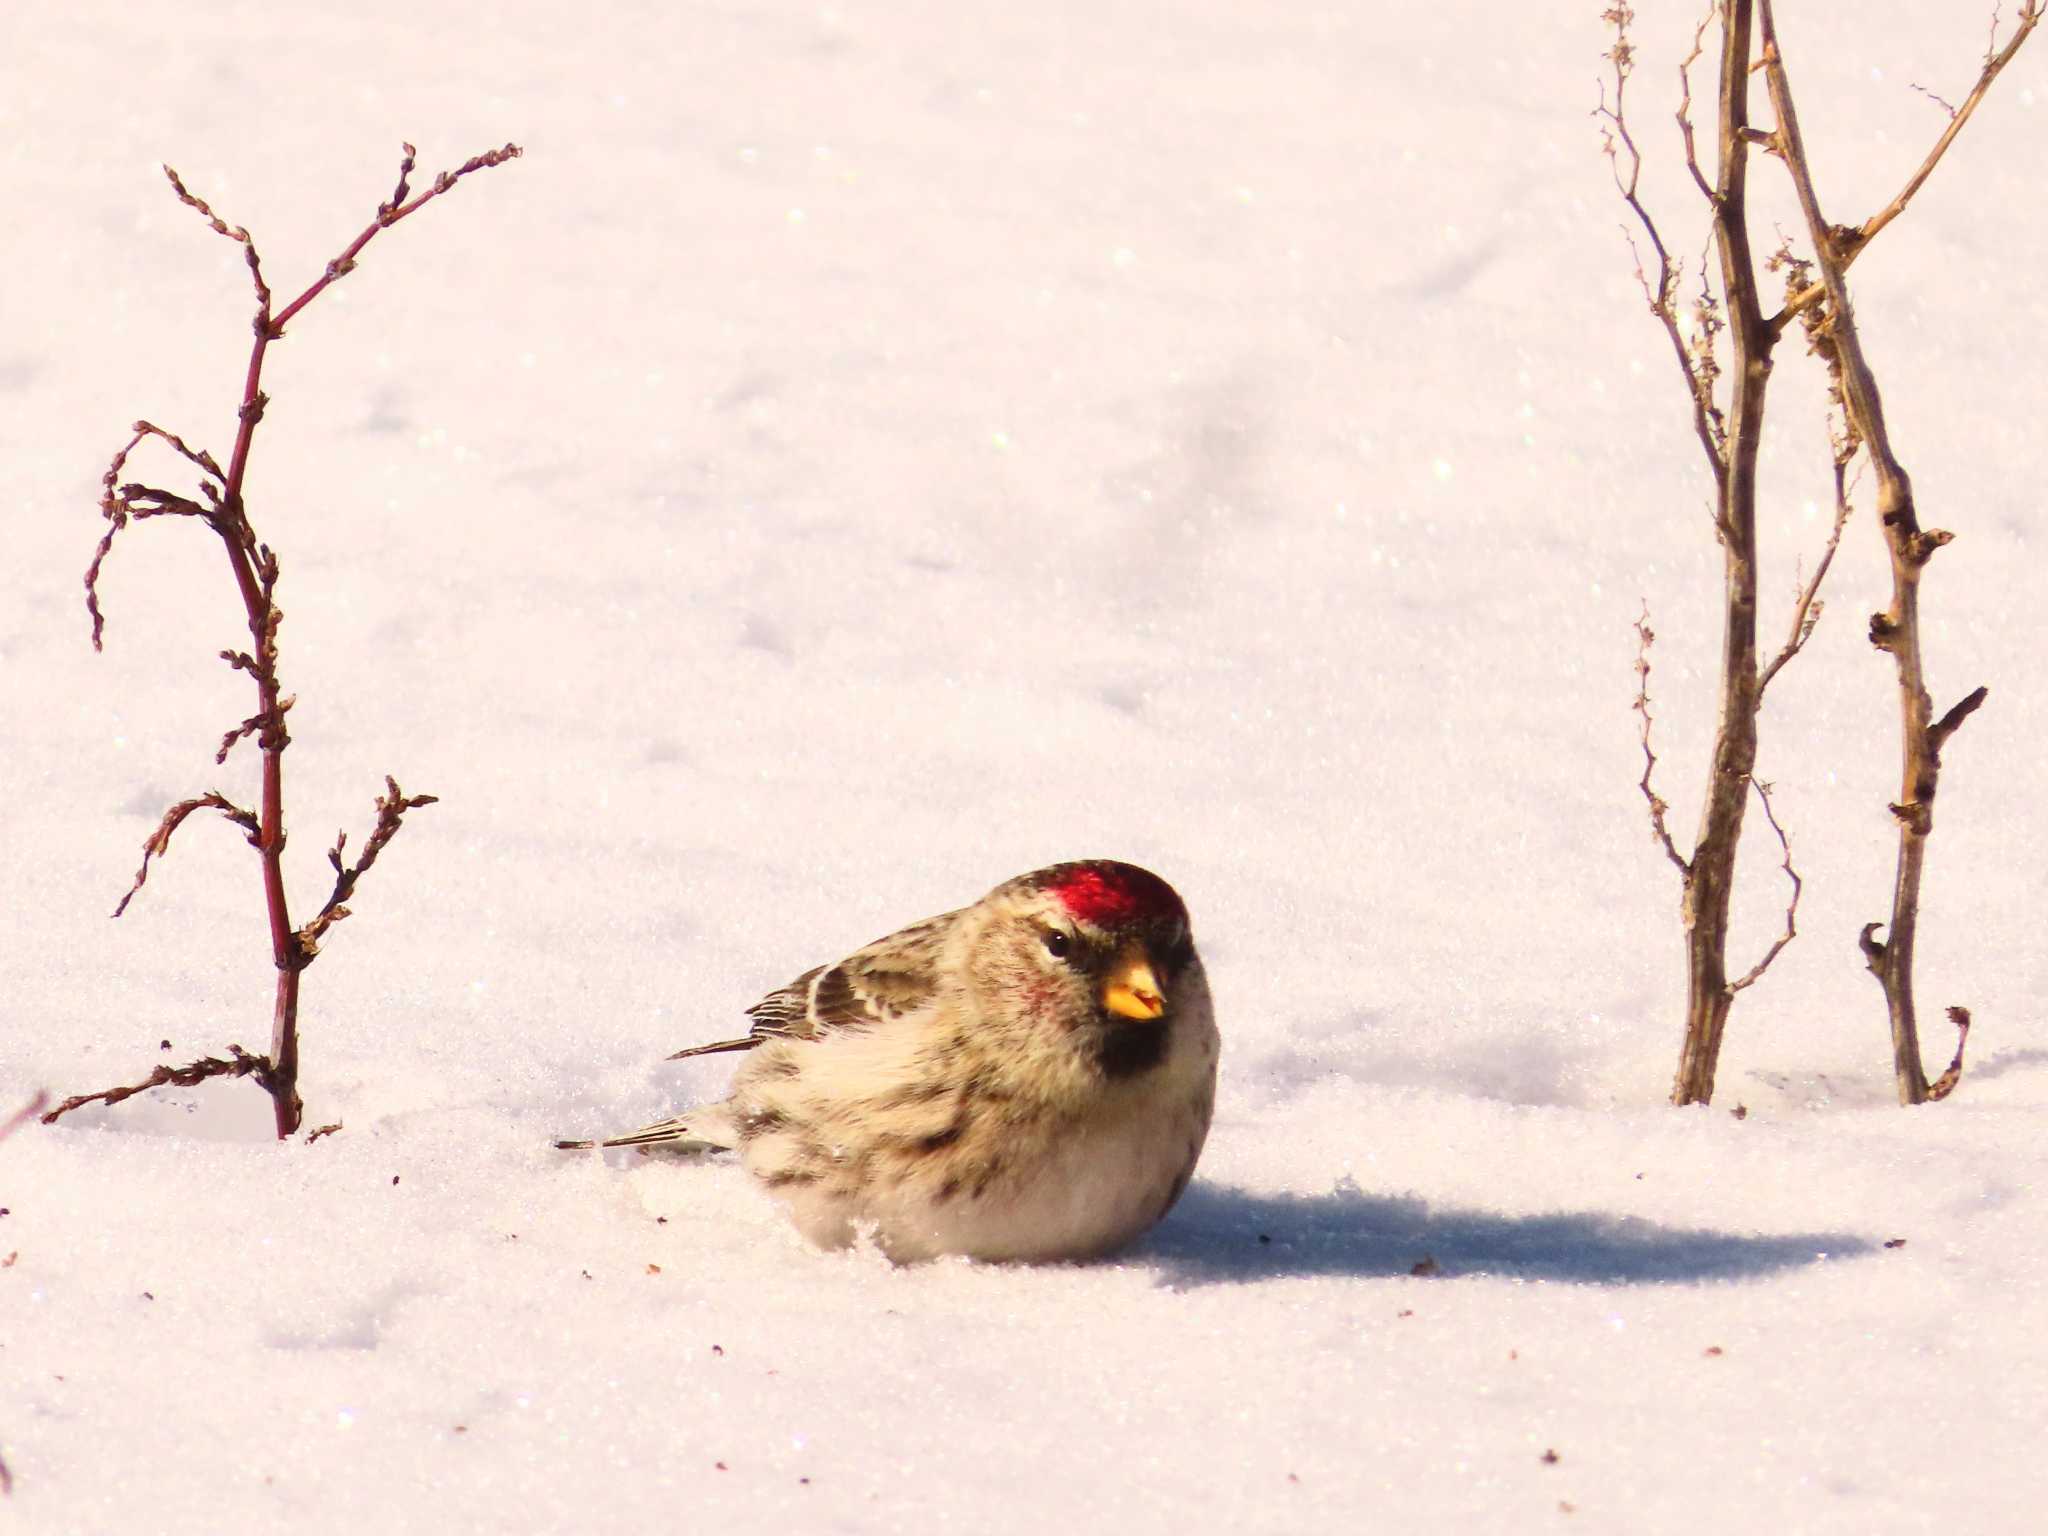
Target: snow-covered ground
[(865, 451)]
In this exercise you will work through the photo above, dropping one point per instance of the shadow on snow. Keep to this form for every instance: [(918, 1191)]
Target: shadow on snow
[(1219, 1233)]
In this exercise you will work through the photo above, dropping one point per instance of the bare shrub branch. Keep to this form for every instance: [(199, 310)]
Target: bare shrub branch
[(1692, 154), (240, 1064), (1896, 630), (1660, 828), (1853, 241), (158, 842), (1807, 606), (389, 214), (1727, 400), (1618, 142), (254, 565), (1945, 1084), (1755, 972), (116, 505), (1939, 732), (391, 808)]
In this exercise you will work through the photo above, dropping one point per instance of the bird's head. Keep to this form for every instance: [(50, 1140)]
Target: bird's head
[(1096, 954)]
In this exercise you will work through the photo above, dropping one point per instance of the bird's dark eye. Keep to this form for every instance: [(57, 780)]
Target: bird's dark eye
[(1057, 944)]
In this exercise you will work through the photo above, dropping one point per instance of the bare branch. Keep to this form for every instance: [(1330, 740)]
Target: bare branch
[(389, 214), (1945, 1084), (255, 722), (1692, 157), (233, 232), (118, 503), (198, 457), (140, 501), (1896, 630), (242, 1064), (1617, 142), (1755, 972), (255, 569), (1940, 101), (1659, 827), (1939, 732), (390, 210), (391, 809), (199, 204), (1806, 610), (159, 841), (1994, 63), (1995, 60)]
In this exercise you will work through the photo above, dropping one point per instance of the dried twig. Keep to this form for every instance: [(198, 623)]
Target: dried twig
[(1807, 606), (1692, 155), (1851, 242), (1940, 101), (1659, 826), (1896, 630), (239, 1064), (391, 808), (1945, 1084), (1726, 313), (1618, 144), (255, 569), (1755, 972), (158, 843)]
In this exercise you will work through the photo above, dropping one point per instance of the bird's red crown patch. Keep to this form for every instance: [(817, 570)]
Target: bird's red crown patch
[(1108, 894)]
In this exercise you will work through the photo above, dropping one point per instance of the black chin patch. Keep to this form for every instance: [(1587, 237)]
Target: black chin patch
[(1130, 1047)]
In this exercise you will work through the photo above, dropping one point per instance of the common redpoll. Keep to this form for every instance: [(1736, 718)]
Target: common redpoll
[(1028, 1078)]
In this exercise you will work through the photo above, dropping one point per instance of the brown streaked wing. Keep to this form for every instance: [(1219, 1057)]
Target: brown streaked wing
[(874, 985)]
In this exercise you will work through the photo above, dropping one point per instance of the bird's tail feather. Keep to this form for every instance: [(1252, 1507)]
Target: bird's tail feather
[(744, 1043), (702, 1130)]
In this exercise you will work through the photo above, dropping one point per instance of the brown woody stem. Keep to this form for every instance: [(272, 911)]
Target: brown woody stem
[(255, 571), (240, 1064), (1896, 630)]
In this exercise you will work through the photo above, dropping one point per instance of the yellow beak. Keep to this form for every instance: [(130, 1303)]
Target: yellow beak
[(1132, 991)]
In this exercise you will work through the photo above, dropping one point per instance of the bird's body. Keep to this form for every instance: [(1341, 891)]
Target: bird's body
[(1027, 1078)]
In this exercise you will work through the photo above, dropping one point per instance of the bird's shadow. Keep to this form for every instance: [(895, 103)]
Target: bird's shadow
[(1220, 1234)]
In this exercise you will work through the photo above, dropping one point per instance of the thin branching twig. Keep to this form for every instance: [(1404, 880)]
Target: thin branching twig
[(1910, 546), (1755, 972), (1851, 242), (158, 843), (1659, 826), (1619, 145), (239, 1064), (1807, 606), (391, 808), (1725, 319), (254, 565), (1945, 1084)]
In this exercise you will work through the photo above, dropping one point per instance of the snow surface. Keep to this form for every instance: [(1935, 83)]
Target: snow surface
[(865, 451)]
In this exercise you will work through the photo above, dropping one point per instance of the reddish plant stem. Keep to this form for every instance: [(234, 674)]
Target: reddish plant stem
[(288, 953), (238, 538), (255, 572)]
